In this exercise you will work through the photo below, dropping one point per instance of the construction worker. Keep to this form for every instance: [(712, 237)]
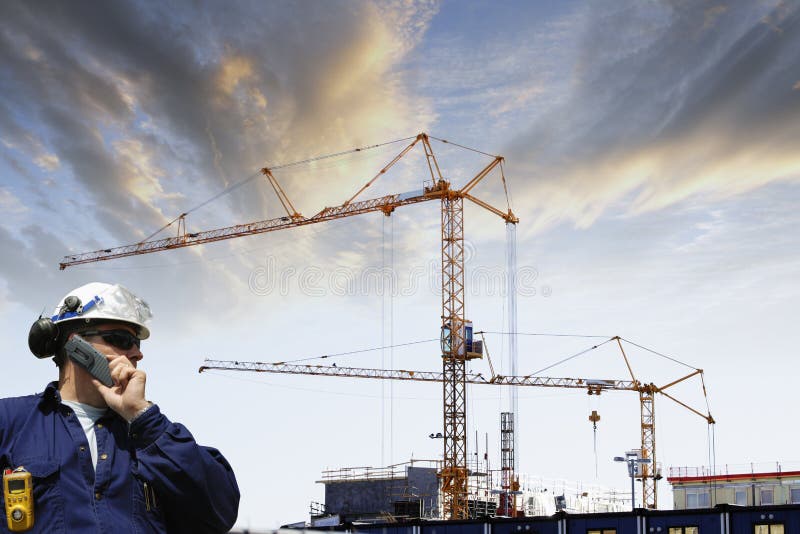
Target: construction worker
[(104, 459)]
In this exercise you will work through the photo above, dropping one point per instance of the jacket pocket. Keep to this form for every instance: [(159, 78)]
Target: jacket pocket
[(148, 515), (48, 503)]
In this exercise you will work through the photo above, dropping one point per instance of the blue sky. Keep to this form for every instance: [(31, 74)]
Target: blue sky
[(650, 154)]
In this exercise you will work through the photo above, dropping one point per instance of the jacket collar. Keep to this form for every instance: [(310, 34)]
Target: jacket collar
[(51, 395)]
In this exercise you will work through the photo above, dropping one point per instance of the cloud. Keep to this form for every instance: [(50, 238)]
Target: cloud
[(232, 71), (699, 105), (140, 171), (147, 111), (492, 72), (29, 272), (48, 162), (9, 203), (15, 137), (712, 14)]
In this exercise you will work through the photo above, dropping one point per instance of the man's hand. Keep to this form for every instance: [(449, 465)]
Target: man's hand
[(127, 395)]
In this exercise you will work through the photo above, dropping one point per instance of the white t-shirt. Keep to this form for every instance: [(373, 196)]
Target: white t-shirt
[(88, 416)]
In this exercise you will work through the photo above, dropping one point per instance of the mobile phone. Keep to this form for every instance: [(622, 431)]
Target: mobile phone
[(84, 354)]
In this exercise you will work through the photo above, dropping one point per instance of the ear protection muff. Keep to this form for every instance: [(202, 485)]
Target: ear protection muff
[(44, 333), (43, 338)]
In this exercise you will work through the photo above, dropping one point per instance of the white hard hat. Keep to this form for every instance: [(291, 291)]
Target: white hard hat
[(107, 302)]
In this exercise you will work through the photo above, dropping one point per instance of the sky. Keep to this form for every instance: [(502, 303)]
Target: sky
[(650, 155)]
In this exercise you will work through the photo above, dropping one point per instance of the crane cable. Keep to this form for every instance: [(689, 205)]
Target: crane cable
[(502, 174), (372, 349), (546, 334), (712, 438), (391, 337), (670, 358), (584, 351), (462, 146), (387, 323), (505, 187), (594, 417), (596, 473), (705, 393), (342, 153)]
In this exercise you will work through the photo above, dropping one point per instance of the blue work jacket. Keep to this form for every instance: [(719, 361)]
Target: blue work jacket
[(151, 475)]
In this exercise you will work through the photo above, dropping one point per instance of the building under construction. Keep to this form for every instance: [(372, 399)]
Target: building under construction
[(397, 492), (411, 490)]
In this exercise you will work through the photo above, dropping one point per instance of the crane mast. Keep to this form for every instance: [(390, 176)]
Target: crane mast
[(650, 474), (454, 354)]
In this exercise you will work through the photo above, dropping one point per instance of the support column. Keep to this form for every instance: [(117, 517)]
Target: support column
[(454, 471)]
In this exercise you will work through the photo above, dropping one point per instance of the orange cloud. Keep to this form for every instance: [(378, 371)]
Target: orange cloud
[(232, 71), (48, 162), (657, 176), (140, 172), (239, 83)]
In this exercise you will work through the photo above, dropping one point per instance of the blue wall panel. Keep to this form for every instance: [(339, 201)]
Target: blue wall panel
[(529, 526), (404, 529), (706, 521), (454, 528), (742, 521), (622, 524)]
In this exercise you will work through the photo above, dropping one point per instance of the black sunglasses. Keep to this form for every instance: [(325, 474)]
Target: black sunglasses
[(122, 339)]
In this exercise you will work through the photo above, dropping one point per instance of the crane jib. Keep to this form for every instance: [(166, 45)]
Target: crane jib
[(240, 230)]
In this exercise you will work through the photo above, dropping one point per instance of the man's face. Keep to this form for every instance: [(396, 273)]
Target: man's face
[(111, 340)]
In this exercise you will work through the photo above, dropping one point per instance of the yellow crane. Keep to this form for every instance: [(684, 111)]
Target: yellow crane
[(455, 348), (646, 391)]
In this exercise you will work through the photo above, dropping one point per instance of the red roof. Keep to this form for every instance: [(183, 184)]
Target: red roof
[(730, 477)]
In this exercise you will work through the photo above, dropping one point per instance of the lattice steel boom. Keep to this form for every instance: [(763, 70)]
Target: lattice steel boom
[(594, 386), (646, 392)]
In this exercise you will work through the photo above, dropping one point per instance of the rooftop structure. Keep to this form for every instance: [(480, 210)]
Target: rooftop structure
[(743, 485), (402, 491), (411, 490)]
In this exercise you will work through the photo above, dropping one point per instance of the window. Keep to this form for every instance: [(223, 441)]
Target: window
[(776, 528), (684, 530), (602, 531), (698, 499), (741, 497), (767, 496), (795, 495)]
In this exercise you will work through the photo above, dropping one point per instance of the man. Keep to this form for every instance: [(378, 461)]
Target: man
[(105, 459)]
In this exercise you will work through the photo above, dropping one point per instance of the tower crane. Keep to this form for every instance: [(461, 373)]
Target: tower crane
[(646, 392), (456, 331)]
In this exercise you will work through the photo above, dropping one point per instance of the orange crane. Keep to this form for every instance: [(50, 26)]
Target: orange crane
[(455, 328), (646, 392)]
